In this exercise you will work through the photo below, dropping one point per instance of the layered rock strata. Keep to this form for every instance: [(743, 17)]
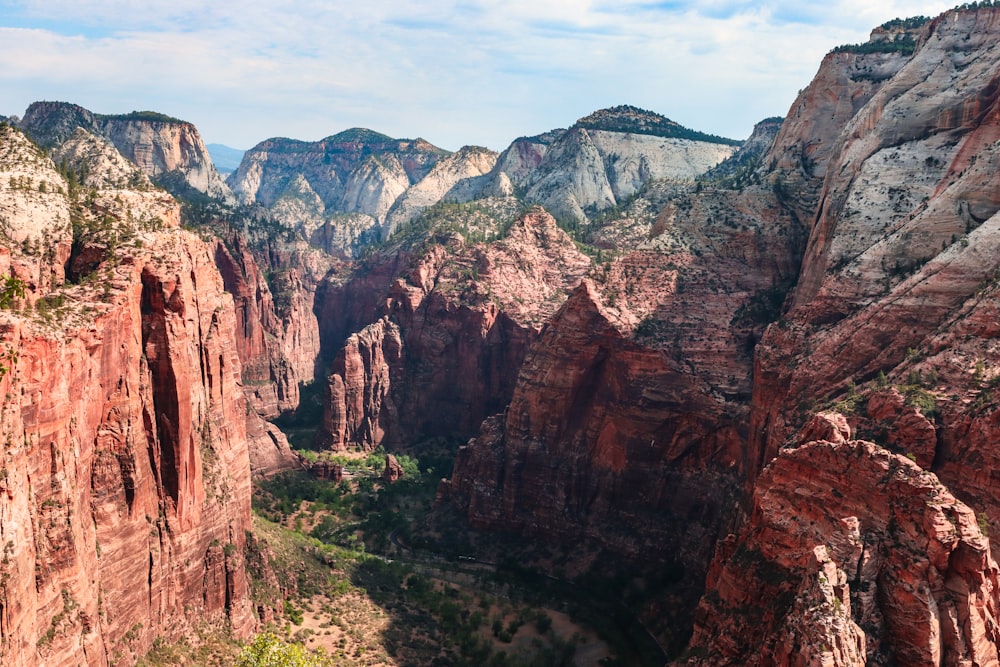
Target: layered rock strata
[(124, 485), (166, 149), (449, 337), (861, 556)]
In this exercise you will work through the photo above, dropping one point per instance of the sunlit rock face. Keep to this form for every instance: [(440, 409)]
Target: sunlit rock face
[(862, 558), (124, 486), (166, 149)]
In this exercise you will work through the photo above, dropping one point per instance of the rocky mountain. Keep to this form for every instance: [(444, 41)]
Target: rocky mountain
[(311, 184), (765, 372), (378, 184), (874, 197), (125, 481), (741, 167), (608, 156), (168, 150), (866, 557), (447, 338)]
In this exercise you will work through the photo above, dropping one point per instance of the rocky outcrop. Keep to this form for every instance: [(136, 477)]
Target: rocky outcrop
[(605, 158), (393, 472), (861, 556), (588, 170), (34, 214), (340, 188), (900, 250), (458, 177), (743, 166), (450, 336), (800, 155), (124, 486), (642, 380), (594, 414), (168, 150), (520, 159)]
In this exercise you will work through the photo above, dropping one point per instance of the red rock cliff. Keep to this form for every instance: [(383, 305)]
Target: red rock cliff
[(454, 331), (901, 249), (851, 555), (124, 485)]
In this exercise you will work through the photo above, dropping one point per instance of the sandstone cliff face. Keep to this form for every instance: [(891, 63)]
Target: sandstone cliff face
[(627, 424), (588, 170), (860, 557), (34, 214), (450, 336), (799, 157), (457, 177), (899, 251), (125, 479), (742, 167), (166, 149), (522, 157), (893, 319)]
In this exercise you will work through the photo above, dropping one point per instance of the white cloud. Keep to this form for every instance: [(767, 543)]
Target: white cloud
[(454, 72)]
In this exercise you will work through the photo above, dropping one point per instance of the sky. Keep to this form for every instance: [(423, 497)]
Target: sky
[(454, 72)]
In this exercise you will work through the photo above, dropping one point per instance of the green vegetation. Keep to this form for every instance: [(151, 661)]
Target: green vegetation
[(360, 135), (626, 118), (11, 291), (369, 571), (475, 222), (982, 4), (152, 116), (904, 43), (268, 650)]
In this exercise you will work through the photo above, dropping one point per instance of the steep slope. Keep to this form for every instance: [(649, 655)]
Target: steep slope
[(457, 177), (742, 167), (168, 150), (607, 156), (860, 556), (126, 495), (628, 420), (866, 556), (645, 383), (901, 251), (309, 185), (449, 336)]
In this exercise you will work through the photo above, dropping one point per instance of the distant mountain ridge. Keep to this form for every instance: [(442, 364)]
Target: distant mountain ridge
[(168, 150), (629, 119), (359, 186), (225, 158)]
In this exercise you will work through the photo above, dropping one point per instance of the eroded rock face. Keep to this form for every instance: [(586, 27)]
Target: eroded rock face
[(588, 170), (458, 177), (126, 473), (450, 336), (863, 558), (337, 192), (900, 251), (124, 485), (167, 149)]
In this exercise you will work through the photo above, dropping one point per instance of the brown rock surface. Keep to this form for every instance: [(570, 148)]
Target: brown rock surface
[(393, 472), (445, 352), (124, 485), (901, 245), (861, 556)]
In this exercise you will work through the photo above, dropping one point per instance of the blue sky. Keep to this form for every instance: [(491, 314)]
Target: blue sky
[(454, 72)]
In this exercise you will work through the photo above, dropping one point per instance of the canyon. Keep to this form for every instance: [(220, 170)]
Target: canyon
[(766, 367)]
